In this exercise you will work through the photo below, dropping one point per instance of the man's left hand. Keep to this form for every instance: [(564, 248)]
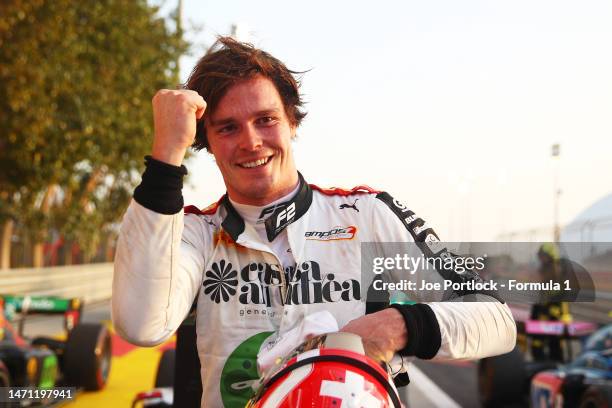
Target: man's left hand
[(383, 333)]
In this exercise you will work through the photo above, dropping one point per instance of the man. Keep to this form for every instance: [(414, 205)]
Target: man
[(274, 248)]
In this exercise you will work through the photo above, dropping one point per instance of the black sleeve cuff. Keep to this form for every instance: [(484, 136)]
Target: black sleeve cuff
[(160, 188), (424, 337)]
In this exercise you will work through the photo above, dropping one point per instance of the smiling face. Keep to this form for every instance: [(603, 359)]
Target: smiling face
[(250, 136)]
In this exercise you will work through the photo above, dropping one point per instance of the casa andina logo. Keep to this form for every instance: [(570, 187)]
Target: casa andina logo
[(221, 281), (261, 282)]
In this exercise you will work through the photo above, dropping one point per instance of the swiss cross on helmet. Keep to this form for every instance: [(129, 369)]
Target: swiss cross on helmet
[(327, 371)]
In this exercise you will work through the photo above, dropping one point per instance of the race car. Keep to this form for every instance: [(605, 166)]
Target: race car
[(586, 382), (177, 381), (505, 380), (82, 360)]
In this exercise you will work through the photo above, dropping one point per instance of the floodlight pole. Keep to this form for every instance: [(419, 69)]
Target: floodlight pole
[(556, 151)]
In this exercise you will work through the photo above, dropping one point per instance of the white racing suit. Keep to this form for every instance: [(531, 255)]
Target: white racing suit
[(165, 262)]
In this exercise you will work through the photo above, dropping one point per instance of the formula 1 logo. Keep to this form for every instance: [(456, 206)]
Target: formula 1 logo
[(336, 233)]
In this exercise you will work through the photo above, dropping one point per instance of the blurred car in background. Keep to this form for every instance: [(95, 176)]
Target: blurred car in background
[(586, 382), (80, 358), (505, 380)]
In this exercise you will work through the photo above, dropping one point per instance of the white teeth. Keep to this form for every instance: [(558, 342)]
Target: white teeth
[(255, 163)]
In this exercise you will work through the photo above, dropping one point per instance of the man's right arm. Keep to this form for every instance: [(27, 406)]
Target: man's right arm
[(159, 255), (158, 271)]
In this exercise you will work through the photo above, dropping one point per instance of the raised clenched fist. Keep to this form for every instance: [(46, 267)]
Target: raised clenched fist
[(175, 113)]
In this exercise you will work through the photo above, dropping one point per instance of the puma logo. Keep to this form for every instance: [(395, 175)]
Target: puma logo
[(353, 206)]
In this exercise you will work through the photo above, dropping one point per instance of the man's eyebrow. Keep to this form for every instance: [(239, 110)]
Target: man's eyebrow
[(220, 122), (273, 111), (226, 121)]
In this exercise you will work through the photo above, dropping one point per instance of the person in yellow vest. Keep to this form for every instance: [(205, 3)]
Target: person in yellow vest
[(550, 308)]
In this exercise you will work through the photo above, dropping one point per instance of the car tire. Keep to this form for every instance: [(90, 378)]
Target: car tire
[(165, 369), (501, 379), (87, 358), (5, 378), (597, 396)]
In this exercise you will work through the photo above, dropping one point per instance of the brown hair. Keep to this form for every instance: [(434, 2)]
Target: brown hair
[(228, 62)]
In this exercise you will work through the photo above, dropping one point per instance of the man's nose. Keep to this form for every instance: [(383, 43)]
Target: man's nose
[(250, 139)]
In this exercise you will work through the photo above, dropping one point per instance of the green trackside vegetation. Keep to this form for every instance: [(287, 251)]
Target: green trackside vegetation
[(76, 82)]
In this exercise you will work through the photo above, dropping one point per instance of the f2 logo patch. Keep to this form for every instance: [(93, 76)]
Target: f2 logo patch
[(287, 214)]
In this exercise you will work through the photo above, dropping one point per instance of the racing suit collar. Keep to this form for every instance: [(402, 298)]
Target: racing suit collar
[(285, 213)]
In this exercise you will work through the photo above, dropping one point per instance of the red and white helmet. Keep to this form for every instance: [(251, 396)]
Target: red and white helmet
[(327, 371)]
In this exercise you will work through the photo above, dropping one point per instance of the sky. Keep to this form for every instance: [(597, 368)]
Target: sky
[(452, 107)]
